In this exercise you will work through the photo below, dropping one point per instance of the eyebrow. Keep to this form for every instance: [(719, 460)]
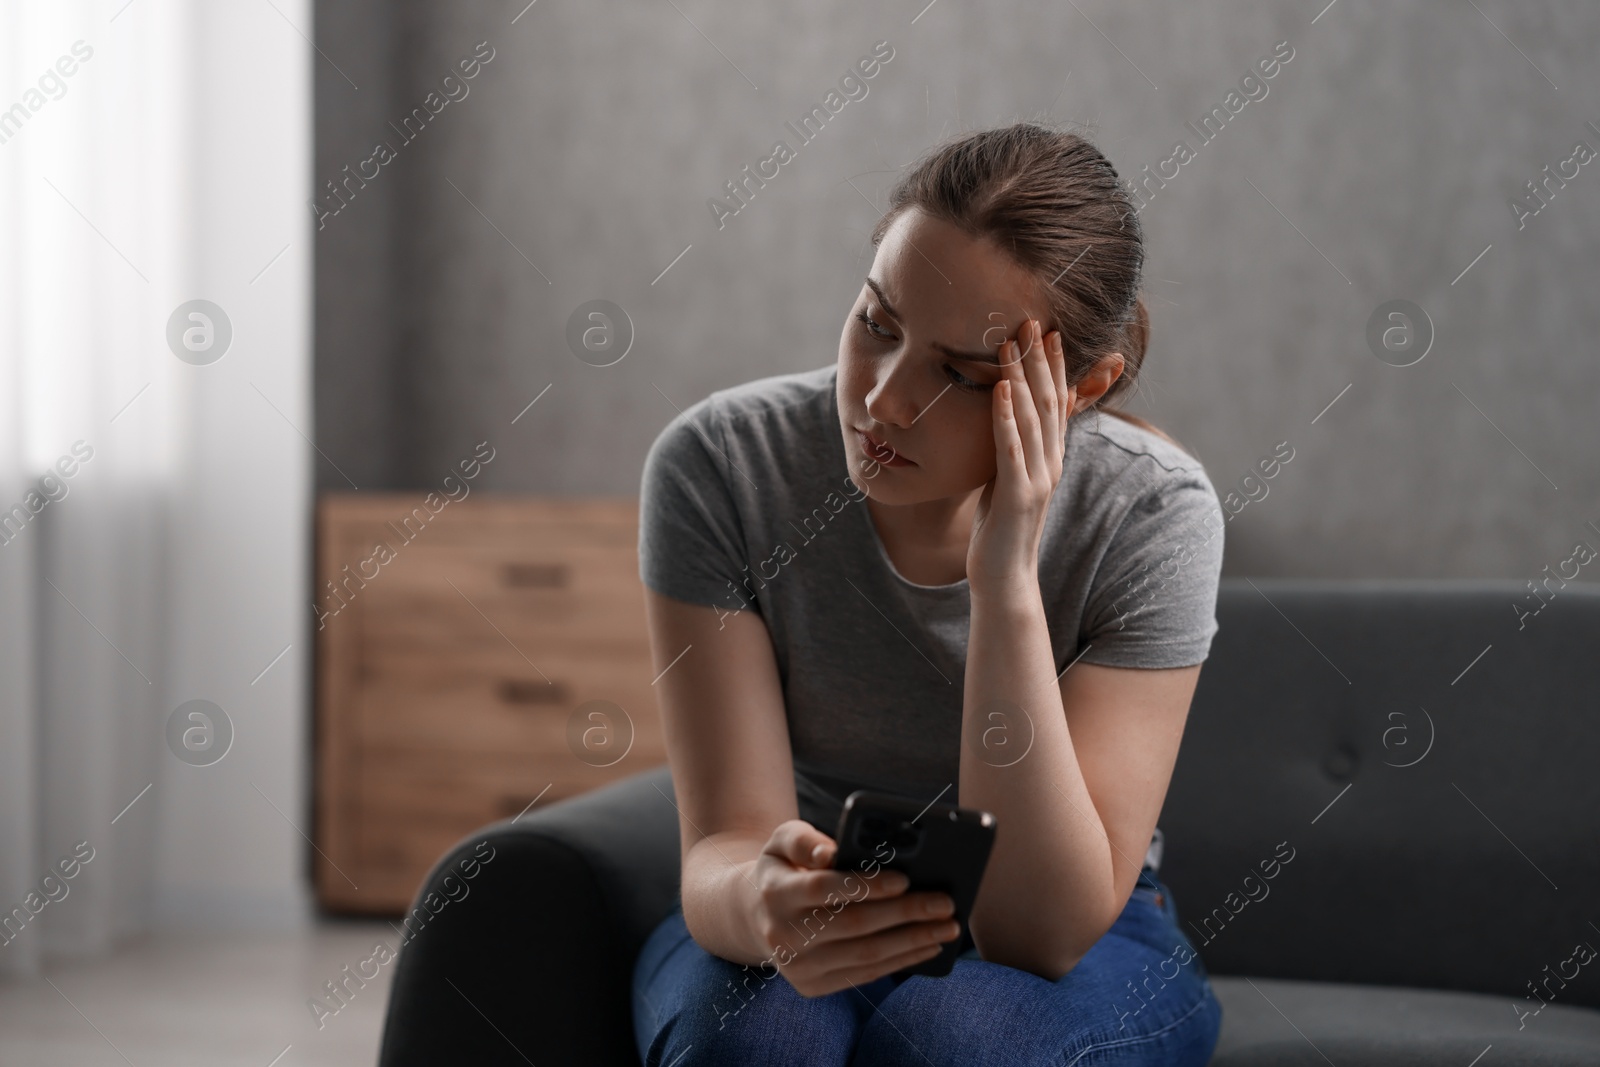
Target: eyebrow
[(992, 357)]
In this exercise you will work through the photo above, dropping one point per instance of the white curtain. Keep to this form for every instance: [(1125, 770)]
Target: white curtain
[(154, 510)]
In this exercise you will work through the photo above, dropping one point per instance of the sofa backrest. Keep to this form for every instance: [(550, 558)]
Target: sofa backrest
[(1395, 782)]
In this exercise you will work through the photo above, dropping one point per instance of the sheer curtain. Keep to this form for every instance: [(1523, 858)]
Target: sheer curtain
[(154, 469)]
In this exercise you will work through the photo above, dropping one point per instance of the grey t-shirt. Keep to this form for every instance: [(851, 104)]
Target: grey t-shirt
[(746, 504)]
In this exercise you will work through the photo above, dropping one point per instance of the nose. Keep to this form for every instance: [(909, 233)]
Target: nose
[(890, 401)]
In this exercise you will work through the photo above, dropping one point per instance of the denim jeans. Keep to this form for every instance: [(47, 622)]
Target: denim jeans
[(1141, 995)]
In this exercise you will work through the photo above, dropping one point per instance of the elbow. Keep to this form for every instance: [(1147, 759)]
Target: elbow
[(1058, 968), (1034, 955), (1050, 968), (1050, 955)]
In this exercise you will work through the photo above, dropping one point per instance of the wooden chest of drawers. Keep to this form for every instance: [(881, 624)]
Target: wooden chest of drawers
[(470, 662)]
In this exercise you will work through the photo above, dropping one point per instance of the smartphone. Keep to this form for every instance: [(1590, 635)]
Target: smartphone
[(939, 847)]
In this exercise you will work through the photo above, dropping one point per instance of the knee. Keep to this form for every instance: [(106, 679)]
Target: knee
[(737, 1014), (741, 999), (955, 1019), (952, 1019)]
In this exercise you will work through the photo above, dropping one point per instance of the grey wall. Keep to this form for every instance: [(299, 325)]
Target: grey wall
[(1382, 161)]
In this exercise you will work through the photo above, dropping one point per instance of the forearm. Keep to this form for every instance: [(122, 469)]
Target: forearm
[(1047, 894), (719, 894)]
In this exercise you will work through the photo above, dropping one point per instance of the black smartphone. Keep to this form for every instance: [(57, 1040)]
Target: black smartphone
[(938, 846)]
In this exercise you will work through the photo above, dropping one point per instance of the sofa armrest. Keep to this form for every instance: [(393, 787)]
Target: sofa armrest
[(534, 960)]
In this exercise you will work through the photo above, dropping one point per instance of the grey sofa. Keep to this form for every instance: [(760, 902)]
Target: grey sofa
[(1426, 752)]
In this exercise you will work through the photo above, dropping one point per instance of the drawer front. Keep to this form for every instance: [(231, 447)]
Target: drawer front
[(470, 791), (541, 657), (450, 598), (504, 527), (589, 711), (413, 809)]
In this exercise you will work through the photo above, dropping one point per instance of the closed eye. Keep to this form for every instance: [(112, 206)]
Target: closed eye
[(961, 381)]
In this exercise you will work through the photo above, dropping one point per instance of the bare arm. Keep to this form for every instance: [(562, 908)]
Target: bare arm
[(727, 739), (1075, 814), (758, 885), (1075, 811)]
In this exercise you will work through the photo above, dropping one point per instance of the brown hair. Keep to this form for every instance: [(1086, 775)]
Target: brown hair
[(1055, 203)]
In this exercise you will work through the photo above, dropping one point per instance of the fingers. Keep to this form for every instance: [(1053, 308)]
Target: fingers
[(802, 844), (807, 856), (1065, 397), (1027, 382), (1010, 455), (1046, 403), (862, 960), (1024, 402), (867, 905), (856, 926), (869, 916), (1058, 371), (845, 892)]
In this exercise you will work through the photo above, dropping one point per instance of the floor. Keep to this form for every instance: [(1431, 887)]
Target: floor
[(220, 1001)]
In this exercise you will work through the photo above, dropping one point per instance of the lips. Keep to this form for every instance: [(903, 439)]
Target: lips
[(881, 452)]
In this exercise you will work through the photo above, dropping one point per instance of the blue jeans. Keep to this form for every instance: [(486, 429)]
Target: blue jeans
[(1140, 996)]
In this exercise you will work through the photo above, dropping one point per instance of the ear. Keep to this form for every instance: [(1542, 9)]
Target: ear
[(1094, 384)]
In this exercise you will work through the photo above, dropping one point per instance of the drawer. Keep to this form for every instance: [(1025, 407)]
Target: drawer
[(622, 666), (532, 569), (392, 643), (411, 809), (507, 708), (457, 788), (403, 523), (464, 597)]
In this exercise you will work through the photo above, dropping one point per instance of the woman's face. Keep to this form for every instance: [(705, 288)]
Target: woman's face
[(919, 374)]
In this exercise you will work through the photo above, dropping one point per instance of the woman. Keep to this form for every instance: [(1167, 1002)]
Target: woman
[(934, 569)]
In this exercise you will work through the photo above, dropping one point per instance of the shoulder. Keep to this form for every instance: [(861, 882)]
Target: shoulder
[(723, 473), (1135, 497), (1141, 461), (779, 402), (1151, 528), (777, 414)]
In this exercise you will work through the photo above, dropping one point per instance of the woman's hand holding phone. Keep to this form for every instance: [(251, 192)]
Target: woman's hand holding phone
[(879, 929)]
